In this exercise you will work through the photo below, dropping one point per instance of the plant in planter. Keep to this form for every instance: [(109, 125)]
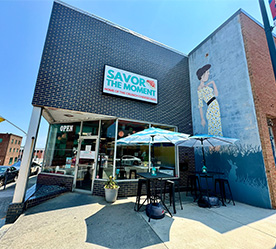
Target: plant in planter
[(111, 189)]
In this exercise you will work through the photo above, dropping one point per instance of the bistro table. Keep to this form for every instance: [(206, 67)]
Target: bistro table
[(152, 181)]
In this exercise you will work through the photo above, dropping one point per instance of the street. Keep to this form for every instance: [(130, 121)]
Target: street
[(7, 195)]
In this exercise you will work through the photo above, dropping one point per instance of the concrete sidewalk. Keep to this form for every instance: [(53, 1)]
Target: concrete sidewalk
[(75, 220)]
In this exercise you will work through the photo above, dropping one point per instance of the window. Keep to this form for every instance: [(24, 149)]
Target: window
[(15, 142), (136, 156), (12, 141), (13, 149), (1, 139), (62, 147), (271, 124), (90, 128), (62, 144), (106, 149), (16, 150), (11, 159), (10, 149), (15, 159), (18, 142)]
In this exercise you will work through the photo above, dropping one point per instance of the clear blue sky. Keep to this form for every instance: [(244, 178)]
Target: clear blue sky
[(180, 24)]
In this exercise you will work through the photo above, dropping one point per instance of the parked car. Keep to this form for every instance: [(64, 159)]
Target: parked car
[(9, 171), (128, 160), (34, 169)]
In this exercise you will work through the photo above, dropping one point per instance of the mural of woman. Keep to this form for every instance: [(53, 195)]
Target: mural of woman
[(208, 92)]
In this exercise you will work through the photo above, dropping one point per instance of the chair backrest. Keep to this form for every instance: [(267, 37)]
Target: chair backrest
[(122, 174), (131, 172)]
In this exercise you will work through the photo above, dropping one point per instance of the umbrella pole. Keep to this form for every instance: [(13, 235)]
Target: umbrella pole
[(203, 155), (149, 156)]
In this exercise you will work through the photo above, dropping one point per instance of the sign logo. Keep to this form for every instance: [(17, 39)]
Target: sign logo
[(126, 84), (272, 4)]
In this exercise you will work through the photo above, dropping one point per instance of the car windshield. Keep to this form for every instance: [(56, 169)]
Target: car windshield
[(2, 170)]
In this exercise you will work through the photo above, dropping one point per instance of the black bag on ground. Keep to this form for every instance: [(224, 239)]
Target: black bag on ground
[(205, 201)]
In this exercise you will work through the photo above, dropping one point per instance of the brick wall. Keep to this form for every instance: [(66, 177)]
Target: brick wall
[(51, 179), (127, 188), (264, 91)]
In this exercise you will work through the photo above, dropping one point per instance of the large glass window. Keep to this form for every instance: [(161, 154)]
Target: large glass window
[(106, 149), (90, 128), (61, 150), (62, 145), (131, 159), (164, 153)]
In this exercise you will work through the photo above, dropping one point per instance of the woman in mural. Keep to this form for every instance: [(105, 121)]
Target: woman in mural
[(208, 92)]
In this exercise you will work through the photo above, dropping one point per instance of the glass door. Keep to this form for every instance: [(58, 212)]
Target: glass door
[(86, 163)]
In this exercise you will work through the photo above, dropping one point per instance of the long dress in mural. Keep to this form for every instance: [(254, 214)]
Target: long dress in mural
[(213, 113)]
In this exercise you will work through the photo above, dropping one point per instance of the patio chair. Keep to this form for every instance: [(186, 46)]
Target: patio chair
[(193, 186), (122, 174), (131, 172), (173, 185), (146, 183), (222, 191)]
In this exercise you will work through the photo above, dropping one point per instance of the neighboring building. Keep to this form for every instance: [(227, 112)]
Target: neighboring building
[(99, 82), (9, 148), (241, 69), (38, 154)]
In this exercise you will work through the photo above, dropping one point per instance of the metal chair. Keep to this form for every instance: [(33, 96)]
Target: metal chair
[(193, 185), (173, 185), (222, 191), (131, 172), (146, 183), (122, 174)]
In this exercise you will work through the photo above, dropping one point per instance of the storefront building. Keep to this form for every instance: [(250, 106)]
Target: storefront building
[(99, 82)]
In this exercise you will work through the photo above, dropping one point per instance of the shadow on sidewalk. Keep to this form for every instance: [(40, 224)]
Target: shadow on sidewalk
[(119, 226), (66, 200)]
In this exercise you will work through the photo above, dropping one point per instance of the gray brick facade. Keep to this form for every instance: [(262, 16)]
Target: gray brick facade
[(77, 48)]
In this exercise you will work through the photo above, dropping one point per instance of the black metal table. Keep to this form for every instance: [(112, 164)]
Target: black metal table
[(154, 197)]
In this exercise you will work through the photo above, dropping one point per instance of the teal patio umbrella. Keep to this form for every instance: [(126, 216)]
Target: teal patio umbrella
[(153, 135), (205, 140)]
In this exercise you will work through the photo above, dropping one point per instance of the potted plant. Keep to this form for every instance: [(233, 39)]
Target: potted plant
[(111, 189)]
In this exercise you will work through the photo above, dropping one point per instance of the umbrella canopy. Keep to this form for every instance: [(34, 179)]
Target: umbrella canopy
[(153, 135), (205, 140)]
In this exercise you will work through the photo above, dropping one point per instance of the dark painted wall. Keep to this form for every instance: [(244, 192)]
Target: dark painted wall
[(72, 67)]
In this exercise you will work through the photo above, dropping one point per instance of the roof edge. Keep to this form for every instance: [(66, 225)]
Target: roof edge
[(216, 30), (120, 27), (225, 23)]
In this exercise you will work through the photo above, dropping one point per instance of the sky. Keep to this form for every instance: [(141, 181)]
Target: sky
[(179, 24)]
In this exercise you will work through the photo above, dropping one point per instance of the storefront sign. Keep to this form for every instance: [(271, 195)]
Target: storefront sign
[(84, 154), (272, 4), (126, 84)]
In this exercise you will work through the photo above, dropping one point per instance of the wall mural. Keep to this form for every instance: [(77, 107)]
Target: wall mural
[(207, 91), (222, 104)]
